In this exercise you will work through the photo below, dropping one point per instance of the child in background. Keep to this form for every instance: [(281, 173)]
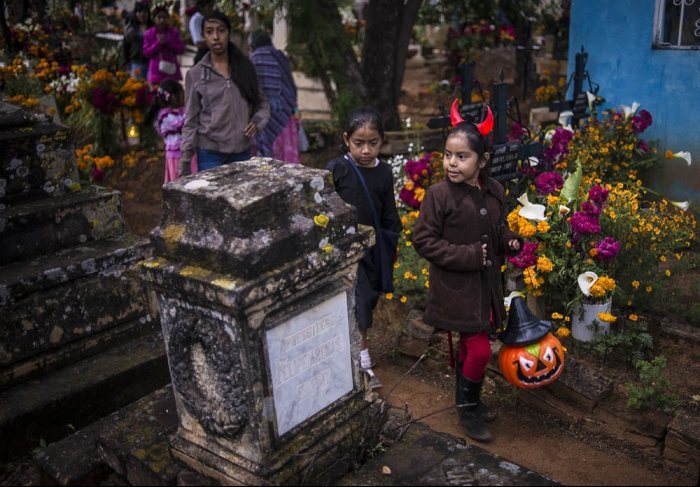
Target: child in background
[(168, 109), (363, 137), (162, 45), (461, 231)]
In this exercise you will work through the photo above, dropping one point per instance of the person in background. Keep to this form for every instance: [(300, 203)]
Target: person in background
[(137, 24), (225, 106), (168, 110), (461, 231), (362, 139), (162, 45), (280, 137), (197, 13)]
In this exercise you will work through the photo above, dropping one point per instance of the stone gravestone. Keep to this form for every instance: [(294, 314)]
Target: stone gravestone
[(66, 286), (254, 270)]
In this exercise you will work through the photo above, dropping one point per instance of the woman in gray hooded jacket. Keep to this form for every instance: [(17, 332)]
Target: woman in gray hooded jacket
[(225, 105)]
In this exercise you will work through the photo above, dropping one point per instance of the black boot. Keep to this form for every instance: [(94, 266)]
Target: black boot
[(486, 413), (467, 401)]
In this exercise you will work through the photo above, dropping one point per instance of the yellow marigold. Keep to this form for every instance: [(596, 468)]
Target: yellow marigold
[(607, 283), (543, 226), (403, 299), (563, 332), (635, 284), (526, 229), (633, 317), (552, 200), (662, 258), (668, 273), (568, 245), (649, 289), (408, 185), (557, 316), (668, 154), (597, 290), (593, 252), (513, 218), (389, 296), (544, 264), (420, 194), (607, 317)]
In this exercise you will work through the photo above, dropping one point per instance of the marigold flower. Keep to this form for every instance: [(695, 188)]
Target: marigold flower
[(563, 332), (321, 220), (607, 317), (635, 284), (557, 316), (633, 317)]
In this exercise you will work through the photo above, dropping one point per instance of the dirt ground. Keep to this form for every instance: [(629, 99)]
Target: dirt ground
[(539, 443), (521, 436)]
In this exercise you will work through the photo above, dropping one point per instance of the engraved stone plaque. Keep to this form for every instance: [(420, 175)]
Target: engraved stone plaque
[(310, 361)]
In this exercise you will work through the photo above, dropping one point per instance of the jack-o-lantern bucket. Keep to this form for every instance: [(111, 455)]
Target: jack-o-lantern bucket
[(530, 356), (533, 365)]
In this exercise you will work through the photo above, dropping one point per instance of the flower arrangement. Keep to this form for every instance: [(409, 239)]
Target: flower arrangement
[(592, 230)]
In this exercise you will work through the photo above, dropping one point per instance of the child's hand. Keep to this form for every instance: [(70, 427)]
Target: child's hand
[(514, 244), (484, 254)]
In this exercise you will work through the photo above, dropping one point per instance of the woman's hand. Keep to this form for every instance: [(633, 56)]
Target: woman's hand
[(484, 254), (251, 129), (514, 244)]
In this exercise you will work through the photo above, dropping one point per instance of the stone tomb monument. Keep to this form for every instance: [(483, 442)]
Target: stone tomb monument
[(254, 269)]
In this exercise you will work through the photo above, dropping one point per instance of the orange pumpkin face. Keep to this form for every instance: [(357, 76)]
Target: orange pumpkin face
[(534, 365)]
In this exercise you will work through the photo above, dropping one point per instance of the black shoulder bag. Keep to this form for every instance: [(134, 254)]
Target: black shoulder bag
[(384, 251)]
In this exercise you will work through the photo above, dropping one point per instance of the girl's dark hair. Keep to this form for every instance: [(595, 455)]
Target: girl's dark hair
[(166, 89), (140, 7), (477, 142), (242, 70), (359, 117)]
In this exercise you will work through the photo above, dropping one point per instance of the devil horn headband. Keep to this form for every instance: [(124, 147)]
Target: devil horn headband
[(484, 127)]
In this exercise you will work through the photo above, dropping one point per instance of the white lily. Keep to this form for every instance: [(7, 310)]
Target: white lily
[(591, 98), (684, 154), (565, 118), (564, 210), (533, 161), (683, 205), (586, 281), (531, 211), (629, 111), (513, 294)]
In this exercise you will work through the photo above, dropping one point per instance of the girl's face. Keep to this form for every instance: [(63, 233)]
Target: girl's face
[(216, 36), (364, 144), (142, 16), (161, 20), (461, 163)]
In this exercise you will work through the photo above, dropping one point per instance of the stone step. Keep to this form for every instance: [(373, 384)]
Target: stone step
[(30, 229), (68, 399), (37, 160), (133, 442), (67, 305)]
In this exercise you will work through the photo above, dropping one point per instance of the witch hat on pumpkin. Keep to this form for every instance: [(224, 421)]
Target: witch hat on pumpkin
[(523, 326)]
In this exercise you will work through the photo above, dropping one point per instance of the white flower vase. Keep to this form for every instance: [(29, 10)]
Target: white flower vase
[(585, 325)]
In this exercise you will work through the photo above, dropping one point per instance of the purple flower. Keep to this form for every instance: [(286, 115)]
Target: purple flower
[(641, 121), (558, 146), (608, 248), (584, 223), (104, 101), (598, 194), (590, 209), (642, 147), (527, 257), (549, 182)]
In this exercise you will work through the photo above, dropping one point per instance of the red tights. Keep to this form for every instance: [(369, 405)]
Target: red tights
[(474, 353)]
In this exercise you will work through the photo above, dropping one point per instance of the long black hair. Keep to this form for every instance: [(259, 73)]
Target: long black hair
[(242, 69), (359, 117)]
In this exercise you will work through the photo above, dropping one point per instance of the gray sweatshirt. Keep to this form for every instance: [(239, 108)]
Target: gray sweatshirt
[(216, 114)]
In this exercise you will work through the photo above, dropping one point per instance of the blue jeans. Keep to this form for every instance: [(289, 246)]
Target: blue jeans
[(207, 159)]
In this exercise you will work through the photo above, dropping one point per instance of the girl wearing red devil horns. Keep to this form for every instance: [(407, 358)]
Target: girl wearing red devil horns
[(461, 231)]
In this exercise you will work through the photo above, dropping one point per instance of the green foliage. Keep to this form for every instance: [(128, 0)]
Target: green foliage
[(653, 391), (632, 344)]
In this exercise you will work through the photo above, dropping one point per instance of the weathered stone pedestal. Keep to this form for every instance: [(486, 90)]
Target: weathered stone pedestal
[(67, 286), (254, 270)]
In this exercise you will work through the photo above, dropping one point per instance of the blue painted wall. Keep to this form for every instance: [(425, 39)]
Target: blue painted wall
[(617, 34)]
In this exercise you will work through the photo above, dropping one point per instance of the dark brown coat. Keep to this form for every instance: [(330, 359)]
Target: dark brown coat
[(454, 221)]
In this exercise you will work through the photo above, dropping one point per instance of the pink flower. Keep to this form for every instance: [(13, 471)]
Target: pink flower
[(409, 197), (608, 248), (641, 121), (549, 182), (598, 194), (590, 209), (527, 257), (584, 223)]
